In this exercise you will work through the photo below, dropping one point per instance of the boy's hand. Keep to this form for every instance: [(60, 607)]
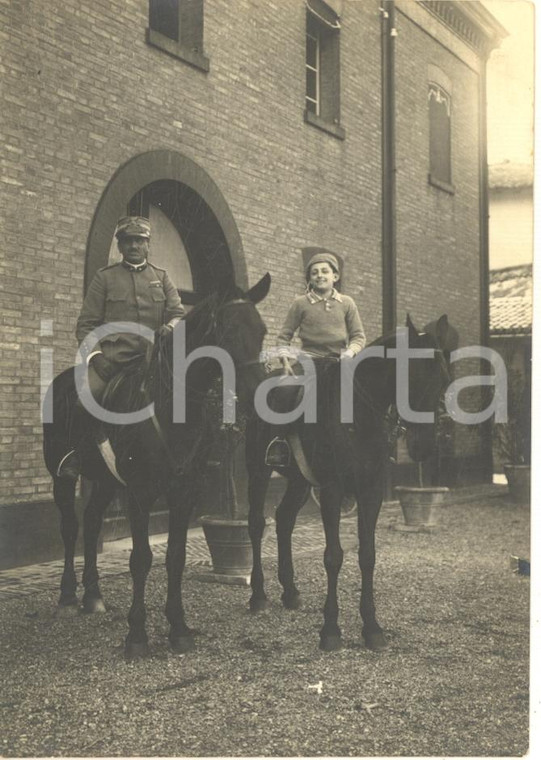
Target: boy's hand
[(347, 354), (286, 365)]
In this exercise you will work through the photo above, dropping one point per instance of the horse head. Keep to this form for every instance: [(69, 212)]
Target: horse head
[(226, 320), (240, 331), (428, 377)]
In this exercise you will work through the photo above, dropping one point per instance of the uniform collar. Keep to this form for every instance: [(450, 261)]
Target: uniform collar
[(314, 298), (135, 267)]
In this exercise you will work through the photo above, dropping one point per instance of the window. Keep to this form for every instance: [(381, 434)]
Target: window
[(322, 100), (439, 116), (176, 26)]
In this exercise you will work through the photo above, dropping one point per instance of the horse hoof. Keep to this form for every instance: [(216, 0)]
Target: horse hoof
[(182, 644), (292, 601), (136, 650), (259, 604), (94, 604), (376, 642), (330, 643)]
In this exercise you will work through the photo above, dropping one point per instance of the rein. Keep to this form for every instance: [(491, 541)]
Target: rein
[(200, 394)]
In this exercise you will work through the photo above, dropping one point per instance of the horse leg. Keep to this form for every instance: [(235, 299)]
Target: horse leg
[(136, 644), (180, 635), (296, 494), (64, 496), (257, 490), (369, 504), (100, 497), (330, 636)]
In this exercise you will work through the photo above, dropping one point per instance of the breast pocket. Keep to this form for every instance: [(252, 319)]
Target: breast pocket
[(116, 304), (157, 294)]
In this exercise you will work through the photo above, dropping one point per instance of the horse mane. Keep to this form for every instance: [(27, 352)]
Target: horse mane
[(199, 322)]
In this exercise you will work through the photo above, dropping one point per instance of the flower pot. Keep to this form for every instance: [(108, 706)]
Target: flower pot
[(418, 503), (518, 480), (229, 545)]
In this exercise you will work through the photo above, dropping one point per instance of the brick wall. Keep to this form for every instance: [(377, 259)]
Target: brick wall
[(84, 93), (437, 232)]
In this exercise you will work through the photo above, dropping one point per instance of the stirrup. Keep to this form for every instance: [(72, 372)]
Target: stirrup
[(69, 466), (278, 453)]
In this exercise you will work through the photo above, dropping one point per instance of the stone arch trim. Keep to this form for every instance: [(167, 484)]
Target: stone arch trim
[(142, 170)]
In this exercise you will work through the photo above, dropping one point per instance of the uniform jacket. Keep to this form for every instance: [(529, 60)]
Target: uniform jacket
[(121, 293)]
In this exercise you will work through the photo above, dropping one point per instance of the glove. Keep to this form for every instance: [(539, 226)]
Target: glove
[(162, 331), (103, 367)]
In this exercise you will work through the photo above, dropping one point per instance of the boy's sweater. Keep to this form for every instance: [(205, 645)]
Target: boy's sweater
[(326, 326)]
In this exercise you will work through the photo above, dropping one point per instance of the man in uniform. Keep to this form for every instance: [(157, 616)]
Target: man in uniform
[(132, 290)]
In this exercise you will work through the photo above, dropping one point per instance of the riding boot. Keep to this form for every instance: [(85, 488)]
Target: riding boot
[(69, 466), (81, 424)]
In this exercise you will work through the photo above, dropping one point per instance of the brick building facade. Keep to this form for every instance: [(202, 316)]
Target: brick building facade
[(214, 129)]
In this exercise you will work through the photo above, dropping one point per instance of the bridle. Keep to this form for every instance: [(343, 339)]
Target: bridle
[(211, 328)]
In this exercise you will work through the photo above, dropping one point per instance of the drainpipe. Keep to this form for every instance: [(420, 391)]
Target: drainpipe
[(484, 275), (388, 216), (388, 189)]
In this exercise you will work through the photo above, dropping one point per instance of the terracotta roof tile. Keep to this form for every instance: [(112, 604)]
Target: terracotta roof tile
[(511, 300)]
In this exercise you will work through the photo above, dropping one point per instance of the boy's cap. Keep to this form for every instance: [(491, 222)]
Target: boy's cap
[(133, 225), (321, 257)]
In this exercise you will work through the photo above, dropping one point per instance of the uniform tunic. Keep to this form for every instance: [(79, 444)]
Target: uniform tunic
[(124, 293), (326, 326)]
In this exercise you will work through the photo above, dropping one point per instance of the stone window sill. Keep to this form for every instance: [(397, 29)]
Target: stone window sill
[(172, 47), (441, 185), (326, 126)]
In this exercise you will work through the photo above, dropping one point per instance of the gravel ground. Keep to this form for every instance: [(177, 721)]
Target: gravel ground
[(453, 682)]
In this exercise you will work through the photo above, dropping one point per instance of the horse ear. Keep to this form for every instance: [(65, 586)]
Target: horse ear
[(409, 324), (444, 332), (260, 289)]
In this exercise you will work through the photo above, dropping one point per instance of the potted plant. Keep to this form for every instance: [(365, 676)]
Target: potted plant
[(512, 439), (226, 525), (420, 502)]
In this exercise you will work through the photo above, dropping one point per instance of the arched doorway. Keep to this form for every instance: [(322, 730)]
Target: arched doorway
[(189, 211)]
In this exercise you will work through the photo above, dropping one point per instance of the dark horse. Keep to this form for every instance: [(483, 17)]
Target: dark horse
[(345, 458), (156, 457)]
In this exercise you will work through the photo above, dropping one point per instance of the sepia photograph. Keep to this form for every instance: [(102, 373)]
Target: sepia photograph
[(267, 303)]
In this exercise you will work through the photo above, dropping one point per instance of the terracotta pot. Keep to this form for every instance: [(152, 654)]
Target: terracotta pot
[(229, 544), (418, 503), (518, 480)]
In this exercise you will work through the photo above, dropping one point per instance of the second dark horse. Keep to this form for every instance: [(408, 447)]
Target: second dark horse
[(345, 458)]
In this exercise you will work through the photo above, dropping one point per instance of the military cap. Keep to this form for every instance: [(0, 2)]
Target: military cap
[(133, 225)]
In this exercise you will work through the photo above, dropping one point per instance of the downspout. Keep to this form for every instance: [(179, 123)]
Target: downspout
[(388, 215), (484, 271), (388, 188)]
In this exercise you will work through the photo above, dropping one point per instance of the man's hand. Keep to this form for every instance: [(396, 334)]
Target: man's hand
[(103, 367), (347, 354), (162, 331)]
